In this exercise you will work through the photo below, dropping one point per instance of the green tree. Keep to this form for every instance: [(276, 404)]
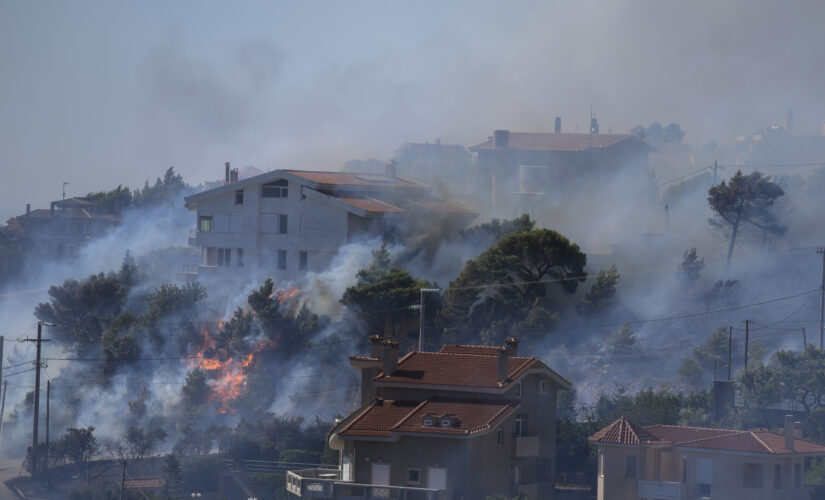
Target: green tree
[(80, 445), (165, 192), (712, 355), (690, 268), (173, 477), (621, 341), (791, 376), (673, 133), (115, 201), (602, 295), (488, 233), (195, 392), (514, 283), (382, 296), (745, 201)]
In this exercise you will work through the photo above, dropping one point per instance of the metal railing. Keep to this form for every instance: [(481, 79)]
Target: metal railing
[(316, 483)]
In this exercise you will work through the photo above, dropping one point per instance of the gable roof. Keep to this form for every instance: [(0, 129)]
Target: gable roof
[(384, 418), (624, 432), (563, 142), (463, 366)]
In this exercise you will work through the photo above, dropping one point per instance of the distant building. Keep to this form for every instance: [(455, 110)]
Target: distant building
[(287, 222), (60, 231), (673, 462), (461, 423), (514, 167), (447, 165)]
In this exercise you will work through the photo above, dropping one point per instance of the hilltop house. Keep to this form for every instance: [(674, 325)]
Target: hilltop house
[(673, 462), (464, 422), (287, 222), (60, 231), (519, 166)]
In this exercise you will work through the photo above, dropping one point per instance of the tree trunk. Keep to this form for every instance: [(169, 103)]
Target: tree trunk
[(734, 230)]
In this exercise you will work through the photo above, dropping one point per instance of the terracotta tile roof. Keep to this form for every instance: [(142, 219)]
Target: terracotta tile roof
[(561, 142), (382, 417), (481, 350), (467, 370), (623, 431), (372, 205), (354, 179)]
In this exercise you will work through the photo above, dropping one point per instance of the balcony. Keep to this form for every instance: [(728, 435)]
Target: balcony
[(663, 490), (327, 484), (527, 446)]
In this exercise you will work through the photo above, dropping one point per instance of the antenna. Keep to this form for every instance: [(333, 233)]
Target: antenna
[(64, 189)]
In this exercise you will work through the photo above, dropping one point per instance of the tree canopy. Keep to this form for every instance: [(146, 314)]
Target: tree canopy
[(745, 202)]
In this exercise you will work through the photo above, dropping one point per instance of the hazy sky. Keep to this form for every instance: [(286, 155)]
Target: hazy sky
[(112, 92)]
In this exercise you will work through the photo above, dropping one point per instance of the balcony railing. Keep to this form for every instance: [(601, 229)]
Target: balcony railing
[(327, 484), (664, 490)]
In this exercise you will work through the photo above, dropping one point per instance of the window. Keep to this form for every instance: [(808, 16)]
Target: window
[(499, 436), (797, 475), (381, 474), (239, 197), (630, 467), (521, 425), (752, 475), (224, 257), (544, 387), (276, 189), (518, 389), (684, 470), (446, 422), (303, 260), (704, 477), (413, 477), (777, 477), (209, 256), (240, 257), (427, 422), (205, 224), (282, 224), (281, 259), (437, 478)]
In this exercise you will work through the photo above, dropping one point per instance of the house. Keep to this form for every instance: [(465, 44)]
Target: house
[(68, 224), (447, 165), (464, 422), (674, 462), (521, 166), (287, 222)]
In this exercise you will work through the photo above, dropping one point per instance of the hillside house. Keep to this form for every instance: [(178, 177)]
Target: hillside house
[(673, 462), (60, 231), (464, 422), (517, 167), (288, 222)]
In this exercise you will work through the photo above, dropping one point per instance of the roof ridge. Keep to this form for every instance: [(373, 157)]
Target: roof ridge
[(409, 414), (752, 433), (693, 427), (709, 438), (365, 407)]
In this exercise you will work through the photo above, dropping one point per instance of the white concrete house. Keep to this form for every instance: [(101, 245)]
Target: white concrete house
[(287, 222)]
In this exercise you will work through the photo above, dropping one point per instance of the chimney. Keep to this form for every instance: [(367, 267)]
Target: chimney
[(227, 172), (789, 432), (557, 126), (389, 358), (512, 345), (391, 169), (233, 175), (503, 364), (797, 430), (28, 208), (375, 346), (501, 138)]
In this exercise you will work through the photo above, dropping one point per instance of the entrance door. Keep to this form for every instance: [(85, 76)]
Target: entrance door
[(437, 478), (380, 474)]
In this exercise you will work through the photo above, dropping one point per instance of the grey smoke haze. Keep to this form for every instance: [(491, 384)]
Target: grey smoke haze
[(100, 93)]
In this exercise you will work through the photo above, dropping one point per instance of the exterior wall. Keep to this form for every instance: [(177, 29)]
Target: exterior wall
[(612, 481)]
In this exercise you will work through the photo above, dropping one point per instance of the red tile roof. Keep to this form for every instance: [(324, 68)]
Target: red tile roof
[(343, 179), (382, 417), (622, 431), (372, 205), (561, 142), (481, 350), (466, 370)]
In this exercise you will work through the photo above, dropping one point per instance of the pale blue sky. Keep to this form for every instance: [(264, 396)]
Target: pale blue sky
[(100, 93)]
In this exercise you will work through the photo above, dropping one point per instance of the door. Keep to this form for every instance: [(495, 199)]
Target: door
[(380, 474), (704, 478), (437, 478), (346, 472)]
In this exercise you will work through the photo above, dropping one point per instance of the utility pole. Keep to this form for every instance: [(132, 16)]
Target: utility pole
[(747, 335), (804, 340), (39, 342), (48, 398), (122, 478), (2, 408), (821, 297), (730, 349), (421, 317), (64, 189)]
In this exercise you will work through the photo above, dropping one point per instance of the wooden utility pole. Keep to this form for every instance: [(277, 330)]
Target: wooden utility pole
[(48, 398), (747, 335), (2, 408), (730, 349), (804, 340), (821, 297), (35, 425), (122, 478)]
